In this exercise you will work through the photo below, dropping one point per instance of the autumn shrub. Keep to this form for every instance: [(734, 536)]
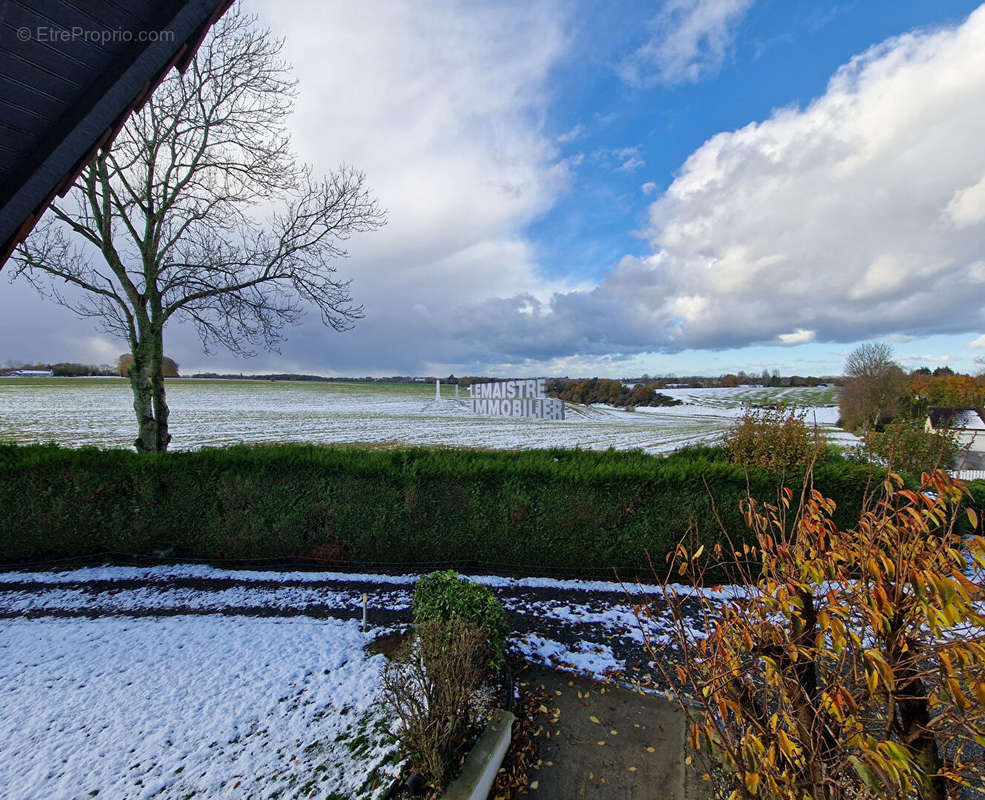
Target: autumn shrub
[(774, 439), (447, 595), (846, 662), (905, 446), (435, 687)]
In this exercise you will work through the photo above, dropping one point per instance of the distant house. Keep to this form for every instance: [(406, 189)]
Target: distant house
[(967, 423)]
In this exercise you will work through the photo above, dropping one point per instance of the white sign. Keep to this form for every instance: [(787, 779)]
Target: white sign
[(524, 398)]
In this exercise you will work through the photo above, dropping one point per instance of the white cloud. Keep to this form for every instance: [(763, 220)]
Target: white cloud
[(619, 159), (443, 106), (631, 165), (898, 338), (967, 206), (799, 336), (924, 358), (690, 41), (977, 344), (649, 188), (825, 219), (569, 136)]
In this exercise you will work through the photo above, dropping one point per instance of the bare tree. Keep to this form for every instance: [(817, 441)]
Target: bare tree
[(869, 360), (874, 383), (199, 211)]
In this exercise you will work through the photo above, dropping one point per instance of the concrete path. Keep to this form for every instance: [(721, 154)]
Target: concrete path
[(602, 742)]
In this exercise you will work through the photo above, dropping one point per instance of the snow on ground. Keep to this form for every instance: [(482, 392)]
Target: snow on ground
[(78, 411), (209, 706), (597, 611), (586, 657), (181, 680), (164, 572)]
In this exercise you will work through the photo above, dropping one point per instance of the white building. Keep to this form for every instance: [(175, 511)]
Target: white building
[(968, 424)]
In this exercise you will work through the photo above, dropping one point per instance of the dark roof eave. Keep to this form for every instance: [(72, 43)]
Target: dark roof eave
[(56, 173)]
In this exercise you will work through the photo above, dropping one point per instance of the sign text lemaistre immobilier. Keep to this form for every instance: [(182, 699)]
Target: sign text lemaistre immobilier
[(521, 398)]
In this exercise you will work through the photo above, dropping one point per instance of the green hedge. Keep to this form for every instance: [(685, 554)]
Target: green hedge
[(543, 510)]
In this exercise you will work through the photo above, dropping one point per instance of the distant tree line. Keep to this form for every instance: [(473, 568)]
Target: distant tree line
[(62, 369), (292, 376), (733, 379), (73, 370), (603, 390)]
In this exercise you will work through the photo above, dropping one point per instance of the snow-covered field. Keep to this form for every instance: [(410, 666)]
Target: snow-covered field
[(178, 706), (208, 413)]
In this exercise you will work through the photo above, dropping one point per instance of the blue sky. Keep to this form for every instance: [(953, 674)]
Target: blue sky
[(589, 188), (783, 52)]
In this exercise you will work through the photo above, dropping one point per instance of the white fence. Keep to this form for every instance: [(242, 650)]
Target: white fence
[(969, 474)]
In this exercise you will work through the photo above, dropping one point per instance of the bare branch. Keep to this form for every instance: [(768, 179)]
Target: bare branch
[(173, 215)]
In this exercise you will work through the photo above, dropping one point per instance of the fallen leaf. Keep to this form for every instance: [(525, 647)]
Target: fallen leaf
[(601, 743), (534, 784), (632, 769), (613, 732), (594, 719), (650, 750)]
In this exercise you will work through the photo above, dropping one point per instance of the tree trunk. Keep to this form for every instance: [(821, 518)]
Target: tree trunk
[(913, 713), (147, 381), (914, 720), (140, 383), (161, 410)]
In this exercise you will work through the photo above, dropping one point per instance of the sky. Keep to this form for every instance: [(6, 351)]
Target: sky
[(616, 188)]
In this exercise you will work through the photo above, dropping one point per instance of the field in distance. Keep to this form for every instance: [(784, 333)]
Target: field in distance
[(98, 412)]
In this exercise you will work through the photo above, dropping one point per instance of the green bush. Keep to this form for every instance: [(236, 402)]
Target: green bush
[(907, 447), (536, 511), (447, 595)]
